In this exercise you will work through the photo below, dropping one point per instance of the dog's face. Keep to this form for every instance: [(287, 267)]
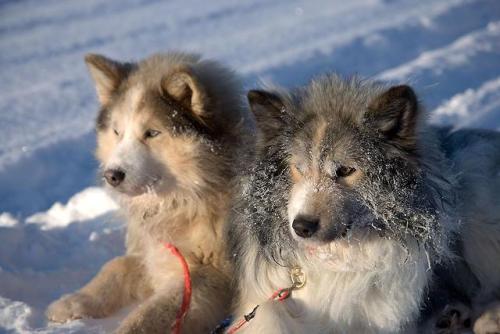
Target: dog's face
[(323, 205), (351, 161), (149, 133)]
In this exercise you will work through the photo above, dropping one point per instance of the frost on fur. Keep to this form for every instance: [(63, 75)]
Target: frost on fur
[(352, 157)]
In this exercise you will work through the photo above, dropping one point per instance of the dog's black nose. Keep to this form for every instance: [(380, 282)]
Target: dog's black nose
[(305, 226), (114, 177)]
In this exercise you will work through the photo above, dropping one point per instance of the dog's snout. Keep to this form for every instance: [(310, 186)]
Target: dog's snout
[(305, 226), (114, 176)]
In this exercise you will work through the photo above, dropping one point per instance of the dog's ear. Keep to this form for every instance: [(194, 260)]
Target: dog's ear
[(185, 87), (107, 75), (394, 114), (269, 111)]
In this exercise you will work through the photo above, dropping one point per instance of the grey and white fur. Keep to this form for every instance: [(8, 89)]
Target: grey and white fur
[(350, 184)]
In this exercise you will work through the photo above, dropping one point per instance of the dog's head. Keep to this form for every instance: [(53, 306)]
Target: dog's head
[(158, 130), (351, 155)]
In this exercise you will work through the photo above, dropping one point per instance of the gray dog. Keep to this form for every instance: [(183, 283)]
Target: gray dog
[(373, 208)]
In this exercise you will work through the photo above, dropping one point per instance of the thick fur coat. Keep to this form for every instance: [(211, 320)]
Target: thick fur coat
[(168, 136), (352, 186)]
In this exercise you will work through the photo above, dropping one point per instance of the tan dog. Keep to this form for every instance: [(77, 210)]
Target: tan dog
[(168, 133)]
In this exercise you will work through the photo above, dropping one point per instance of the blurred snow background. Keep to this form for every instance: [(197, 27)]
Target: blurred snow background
[(449, 50)]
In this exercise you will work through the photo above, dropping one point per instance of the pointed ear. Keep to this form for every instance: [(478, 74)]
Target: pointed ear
[(394, 114), (107, 75), (185, 87), (269, 111)]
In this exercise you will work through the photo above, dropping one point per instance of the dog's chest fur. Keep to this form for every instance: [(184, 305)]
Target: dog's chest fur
[(195, 229), (379, 299)]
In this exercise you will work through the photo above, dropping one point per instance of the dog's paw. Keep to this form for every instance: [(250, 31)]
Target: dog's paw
[(454, 319), (489, 321), (71, 307)]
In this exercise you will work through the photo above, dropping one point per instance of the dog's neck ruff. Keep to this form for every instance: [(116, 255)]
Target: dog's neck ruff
[(298, 279), (186, 297)]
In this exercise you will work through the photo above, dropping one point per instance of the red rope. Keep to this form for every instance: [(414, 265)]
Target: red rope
[(186, 297), (280, 294), (236, 326)]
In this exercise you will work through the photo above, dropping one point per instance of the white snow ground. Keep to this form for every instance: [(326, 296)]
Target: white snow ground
[(449, 50)]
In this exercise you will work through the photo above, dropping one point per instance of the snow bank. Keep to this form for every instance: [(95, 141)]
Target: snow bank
[(13, 315), (472, 108), (52, 253), (456, 54), (86, 205), (7, 220)]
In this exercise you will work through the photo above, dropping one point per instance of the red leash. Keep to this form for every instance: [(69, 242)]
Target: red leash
[(186, 297), (279, 295), (298, 279)]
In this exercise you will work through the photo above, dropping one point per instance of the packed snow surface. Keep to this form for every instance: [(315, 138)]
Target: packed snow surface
[(57, 226)]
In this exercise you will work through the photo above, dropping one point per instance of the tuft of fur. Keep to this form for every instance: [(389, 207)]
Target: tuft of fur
[(356, 157), (173, 126)]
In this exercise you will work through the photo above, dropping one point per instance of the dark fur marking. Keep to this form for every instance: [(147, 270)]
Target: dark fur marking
[(187, 121), (102, 120), (447, 285), (394, 114)]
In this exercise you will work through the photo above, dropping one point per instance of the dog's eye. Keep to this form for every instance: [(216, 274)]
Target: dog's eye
[(151, 133), (344, 171), (116, 132), (300, 167)]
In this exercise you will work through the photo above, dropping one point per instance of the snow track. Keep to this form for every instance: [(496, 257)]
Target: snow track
[(449, 50), (472, 108), (457, 54), (42, 50)]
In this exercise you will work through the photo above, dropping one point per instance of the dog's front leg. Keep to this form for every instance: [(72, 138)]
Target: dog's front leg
[(210, 303), (118, 283), (154, 315)]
